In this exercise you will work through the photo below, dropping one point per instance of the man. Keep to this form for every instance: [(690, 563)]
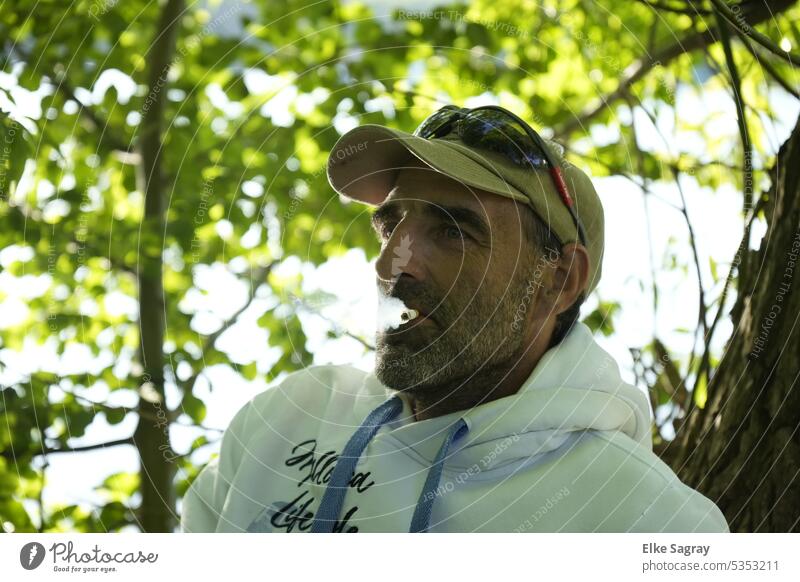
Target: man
[(491, 410)]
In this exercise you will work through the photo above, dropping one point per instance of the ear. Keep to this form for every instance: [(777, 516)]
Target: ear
[(570, 276)]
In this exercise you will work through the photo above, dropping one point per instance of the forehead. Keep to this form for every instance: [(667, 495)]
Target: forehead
[(420, 184)]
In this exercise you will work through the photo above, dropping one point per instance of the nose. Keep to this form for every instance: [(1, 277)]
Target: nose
[(401, 254)]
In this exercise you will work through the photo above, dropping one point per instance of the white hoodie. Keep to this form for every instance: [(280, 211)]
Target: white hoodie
[(570, 451)]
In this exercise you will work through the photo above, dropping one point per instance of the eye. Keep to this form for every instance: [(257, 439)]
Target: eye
[(386, 229), (453, 232)]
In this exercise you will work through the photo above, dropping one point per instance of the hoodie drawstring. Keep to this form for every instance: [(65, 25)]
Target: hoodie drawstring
[(422, 513), (332, 500)]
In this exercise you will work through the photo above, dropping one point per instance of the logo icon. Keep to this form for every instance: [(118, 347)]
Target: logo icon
[(31, 555), (402, 254)]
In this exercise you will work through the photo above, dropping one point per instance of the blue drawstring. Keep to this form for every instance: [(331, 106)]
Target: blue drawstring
[(422, 513), (333, 498)]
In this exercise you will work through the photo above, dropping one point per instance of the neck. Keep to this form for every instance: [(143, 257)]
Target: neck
[(485, 385)]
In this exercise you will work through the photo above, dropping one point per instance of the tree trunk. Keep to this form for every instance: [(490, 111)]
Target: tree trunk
[(157, 511), (742, 450)]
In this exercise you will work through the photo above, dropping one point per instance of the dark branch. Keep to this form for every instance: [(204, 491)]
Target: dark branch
[(767, 66), (84, 448), (337, 328), (744, 133), (99, 124), (738, 22), (258, 277), (45, 450), (756, 13)]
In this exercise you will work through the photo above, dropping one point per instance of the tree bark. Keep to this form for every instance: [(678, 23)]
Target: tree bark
[(742, 449), (157, 511)]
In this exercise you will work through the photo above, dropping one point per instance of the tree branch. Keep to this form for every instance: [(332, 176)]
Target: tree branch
[(337, 328), (259, 277), (98, 123), (88, 112), (645, 203), (767, 66), (8, 455), (744, 133), (84, 448), (152, 439), (756, 13), (738, 22)]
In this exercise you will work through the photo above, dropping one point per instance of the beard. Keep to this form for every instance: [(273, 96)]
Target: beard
[(466, 339)]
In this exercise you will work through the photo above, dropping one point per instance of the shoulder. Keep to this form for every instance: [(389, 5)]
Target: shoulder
[(644, 492), (323, 391), (310, 389), (314, 386), (300, 397)]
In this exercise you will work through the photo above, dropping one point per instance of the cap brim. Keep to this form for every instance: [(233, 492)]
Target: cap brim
[(364, 162)]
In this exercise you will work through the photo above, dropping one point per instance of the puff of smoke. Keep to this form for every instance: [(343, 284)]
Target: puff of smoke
[(392, 313)]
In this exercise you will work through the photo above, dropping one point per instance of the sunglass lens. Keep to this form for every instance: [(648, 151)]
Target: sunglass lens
[(495, 131), (433, 125)]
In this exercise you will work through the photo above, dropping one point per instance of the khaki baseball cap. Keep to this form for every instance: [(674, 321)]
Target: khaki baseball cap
[(364, 162)]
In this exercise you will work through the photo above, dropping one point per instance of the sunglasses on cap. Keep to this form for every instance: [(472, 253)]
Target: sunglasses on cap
[(498, 130)]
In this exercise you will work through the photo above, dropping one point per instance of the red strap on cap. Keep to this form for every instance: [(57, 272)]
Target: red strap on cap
[(561, 185)]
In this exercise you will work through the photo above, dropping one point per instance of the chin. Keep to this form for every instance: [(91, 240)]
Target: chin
[(392, 365), (400, 369)]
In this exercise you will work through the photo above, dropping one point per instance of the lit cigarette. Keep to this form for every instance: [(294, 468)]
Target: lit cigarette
[(409, 314)]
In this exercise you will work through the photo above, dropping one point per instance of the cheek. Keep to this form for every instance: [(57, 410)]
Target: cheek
[(448, 268), (527, 289), (460, 271)]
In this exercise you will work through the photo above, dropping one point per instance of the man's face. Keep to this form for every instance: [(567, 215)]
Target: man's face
[(459, 256)]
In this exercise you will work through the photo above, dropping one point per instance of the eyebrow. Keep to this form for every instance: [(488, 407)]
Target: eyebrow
[(384, 213), (459, 214)]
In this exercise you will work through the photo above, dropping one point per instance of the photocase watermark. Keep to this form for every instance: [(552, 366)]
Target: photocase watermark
[(191, 42), (333, 159), (52, 304), (548, 259), (294, 204), (148, 393), (5, 153), (747, 185), (596, 51), (402, 256), (402, 362), (475, 84), (484, 462), (66, 559), (344, 153), (760, 342), (543, 510), (31, 555), (162, 422), (608, 361), (609, 60), (200, 217), (456, 16), (739, 17), (98, 9)]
